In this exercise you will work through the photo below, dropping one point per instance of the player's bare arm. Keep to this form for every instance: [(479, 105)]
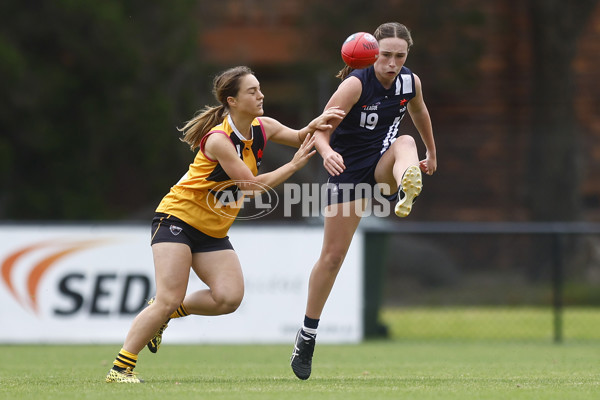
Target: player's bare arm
[(344, 98), (279, 133), (219, 147), (422, 121)]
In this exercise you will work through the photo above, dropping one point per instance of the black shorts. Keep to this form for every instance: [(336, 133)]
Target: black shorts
[(167, 228), (355, 184)]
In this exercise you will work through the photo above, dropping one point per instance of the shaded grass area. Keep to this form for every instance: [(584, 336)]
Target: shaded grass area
[(483, 323)]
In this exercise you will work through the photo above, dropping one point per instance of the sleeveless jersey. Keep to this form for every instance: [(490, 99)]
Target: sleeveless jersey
[(206, 197), (371, 125)]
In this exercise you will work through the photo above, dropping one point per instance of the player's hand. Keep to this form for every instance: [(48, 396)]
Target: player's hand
[(305, 152), (322, 122), (334, 163), (428, 165)]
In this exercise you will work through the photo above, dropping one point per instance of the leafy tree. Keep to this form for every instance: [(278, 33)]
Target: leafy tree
[(92, 92)]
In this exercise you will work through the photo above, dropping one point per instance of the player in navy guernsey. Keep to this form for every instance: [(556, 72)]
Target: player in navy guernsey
[(371, 125), (365, 150)]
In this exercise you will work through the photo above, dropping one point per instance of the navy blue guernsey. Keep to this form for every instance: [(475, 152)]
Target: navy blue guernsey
[(371, 125)]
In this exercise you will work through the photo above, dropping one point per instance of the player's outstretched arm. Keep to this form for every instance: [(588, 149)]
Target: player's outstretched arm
[(219, 147), (279, 133)]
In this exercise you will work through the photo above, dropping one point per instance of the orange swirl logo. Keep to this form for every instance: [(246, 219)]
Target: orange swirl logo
[(55, 251)]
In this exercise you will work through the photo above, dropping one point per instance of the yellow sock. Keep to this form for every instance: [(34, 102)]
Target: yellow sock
[(125, 359), (180, 312)]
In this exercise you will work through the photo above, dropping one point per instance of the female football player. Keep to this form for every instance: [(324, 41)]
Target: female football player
[(366, 148), (192, 221)]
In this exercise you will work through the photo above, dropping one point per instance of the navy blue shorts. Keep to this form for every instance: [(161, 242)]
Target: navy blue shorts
[(167, 228), (354, 184)]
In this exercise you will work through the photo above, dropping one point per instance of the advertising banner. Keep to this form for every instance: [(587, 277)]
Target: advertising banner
[(86, 283)]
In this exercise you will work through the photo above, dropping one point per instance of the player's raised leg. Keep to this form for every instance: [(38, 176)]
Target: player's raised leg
[(399, 168)]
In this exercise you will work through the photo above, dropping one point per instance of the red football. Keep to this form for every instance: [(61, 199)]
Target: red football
[(360, 50)]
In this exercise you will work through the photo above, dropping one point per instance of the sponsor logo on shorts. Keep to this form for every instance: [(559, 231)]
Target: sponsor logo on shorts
[(175, 230)]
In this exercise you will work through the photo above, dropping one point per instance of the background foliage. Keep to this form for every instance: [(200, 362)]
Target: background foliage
[(92, 93)]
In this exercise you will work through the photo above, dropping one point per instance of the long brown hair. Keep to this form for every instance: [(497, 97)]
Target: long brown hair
[(225, 84), (383, 31)]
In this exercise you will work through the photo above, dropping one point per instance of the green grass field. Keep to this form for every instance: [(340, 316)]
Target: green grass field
[(399, 368), (492, 323)]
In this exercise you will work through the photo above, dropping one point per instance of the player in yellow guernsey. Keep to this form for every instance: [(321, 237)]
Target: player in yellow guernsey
[(206, 187), (191, 222)]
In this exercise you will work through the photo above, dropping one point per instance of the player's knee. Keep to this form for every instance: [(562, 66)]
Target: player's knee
[(229, 306), (405, 141), (167, 305), (332, 260), (228, 302)]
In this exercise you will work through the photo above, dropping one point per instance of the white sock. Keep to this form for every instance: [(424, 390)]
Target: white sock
[(309, 331)]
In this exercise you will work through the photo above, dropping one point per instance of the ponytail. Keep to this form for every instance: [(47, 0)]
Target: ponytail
[(344, 72), (204, 120), (226, 84)]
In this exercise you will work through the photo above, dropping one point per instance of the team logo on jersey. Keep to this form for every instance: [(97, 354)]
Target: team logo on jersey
[(403, 102), (259, 155), (372, 107), (175, 230)]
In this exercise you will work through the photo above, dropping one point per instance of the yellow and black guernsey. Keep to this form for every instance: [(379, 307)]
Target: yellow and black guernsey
[(206, 197)]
